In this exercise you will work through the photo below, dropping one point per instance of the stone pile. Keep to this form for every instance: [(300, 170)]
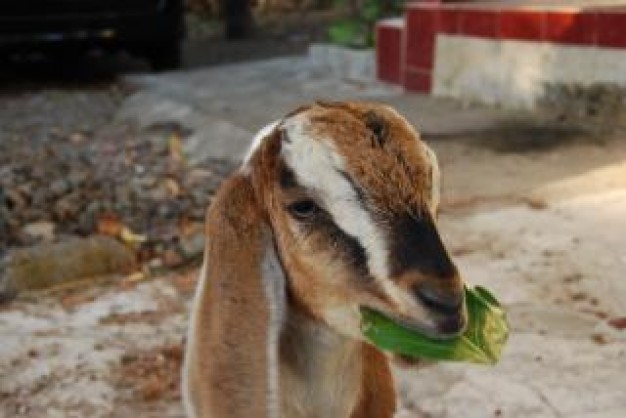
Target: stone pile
[(133, 184)]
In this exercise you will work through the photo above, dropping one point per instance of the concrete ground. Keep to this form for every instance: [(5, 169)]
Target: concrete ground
[(541, 224)]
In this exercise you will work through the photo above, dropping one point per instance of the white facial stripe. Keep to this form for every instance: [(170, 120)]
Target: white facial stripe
[(317, 166), (435, 191), (256, 143)]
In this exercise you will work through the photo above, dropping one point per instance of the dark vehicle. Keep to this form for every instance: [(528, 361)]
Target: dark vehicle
[(150, 28)]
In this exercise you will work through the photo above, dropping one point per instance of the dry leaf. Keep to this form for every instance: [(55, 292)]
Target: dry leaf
[(172, 186), (77, 138), (135, 277), (618, 323), (109, 224), (129, 237), (153, 388), (176, 148)]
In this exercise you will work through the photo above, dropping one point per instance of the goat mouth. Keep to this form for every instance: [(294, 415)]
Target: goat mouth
[(419, 326), (444, 328), (424, 329)]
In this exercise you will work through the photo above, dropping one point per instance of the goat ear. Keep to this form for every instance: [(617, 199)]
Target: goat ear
[(231, 365)]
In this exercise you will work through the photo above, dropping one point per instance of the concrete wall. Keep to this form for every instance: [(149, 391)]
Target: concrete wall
[(508, 53), (517, 73)]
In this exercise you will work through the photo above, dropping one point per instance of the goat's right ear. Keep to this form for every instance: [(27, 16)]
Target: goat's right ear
[(231, 364)]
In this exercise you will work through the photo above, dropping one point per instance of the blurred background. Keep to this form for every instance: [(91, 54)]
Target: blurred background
[(119, 119)]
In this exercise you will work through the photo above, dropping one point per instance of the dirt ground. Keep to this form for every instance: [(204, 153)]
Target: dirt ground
[(544, 227)]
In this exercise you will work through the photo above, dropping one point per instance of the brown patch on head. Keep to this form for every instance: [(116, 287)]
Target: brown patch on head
[(381, 152)]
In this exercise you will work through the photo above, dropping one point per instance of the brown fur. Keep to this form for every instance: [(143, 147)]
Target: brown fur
[(231, 346), (378, 396), (400, 178)]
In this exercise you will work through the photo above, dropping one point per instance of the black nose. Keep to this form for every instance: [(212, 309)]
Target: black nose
[(446, 302), (452, 325)]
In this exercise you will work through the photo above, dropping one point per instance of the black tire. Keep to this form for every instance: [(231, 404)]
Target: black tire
[(166, 56)]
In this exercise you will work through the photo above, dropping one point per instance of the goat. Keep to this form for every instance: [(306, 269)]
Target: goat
[(333, 209)]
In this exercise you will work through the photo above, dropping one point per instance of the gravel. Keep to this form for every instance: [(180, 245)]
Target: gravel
[(68, 168)]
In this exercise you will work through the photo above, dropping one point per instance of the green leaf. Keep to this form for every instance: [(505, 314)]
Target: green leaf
[(349, 33), (371, 10), (482, 342)]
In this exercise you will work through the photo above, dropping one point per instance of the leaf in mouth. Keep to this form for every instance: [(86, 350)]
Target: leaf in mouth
[(482, 341)]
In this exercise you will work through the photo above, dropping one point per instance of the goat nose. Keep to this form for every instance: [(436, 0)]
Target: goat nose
[(449, 301)]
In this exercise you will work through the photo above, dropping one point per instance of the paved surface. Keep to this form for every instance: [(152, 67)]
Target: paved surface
[(545, 228), (251, 95)]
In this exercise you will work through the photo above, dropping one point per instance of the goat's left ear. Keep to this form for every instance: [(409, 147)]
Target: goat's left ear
[(231, 364)]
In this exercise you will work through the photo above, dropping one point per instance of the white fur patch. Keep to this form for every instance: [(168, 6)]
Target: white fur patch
[(316, 163), (256, 143), (346, 318), (274, 283), (435, 178), (324, 379)]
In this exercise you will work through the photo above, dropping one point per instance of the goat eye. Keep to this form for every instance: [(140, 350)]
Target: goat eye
[(303, 209)]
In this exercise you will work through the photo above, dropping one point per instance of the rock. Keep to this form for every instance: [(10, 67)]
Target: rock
[(14, 199), (147, 108), (171, 258), (93, 208), (216, 139), (4, 225), (158, 194), (67, 207), (77, 138), (193, 245), (84, 225), (60, 187), (200, 196), (43, 230), (40, 198), (140, 183), (168, 210), (59, 177), (197, 177), (123, 193), (155, 264), (47, 265), (77, 178)]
